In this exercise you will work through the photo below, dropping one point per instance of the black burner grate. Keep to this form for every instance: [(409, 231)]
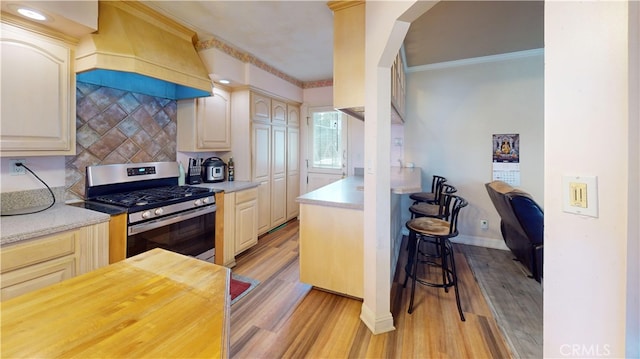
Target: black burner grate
[(153, 196)]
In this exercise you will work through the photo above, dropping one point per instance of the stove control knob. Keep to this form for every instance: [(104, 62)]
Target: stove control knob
[(205, 200), (198, 202), (146, 214), (158, 211)]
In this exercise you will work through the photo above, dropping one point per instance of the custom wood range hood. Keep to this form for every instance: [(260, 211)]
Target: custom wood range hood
[(138, 49)]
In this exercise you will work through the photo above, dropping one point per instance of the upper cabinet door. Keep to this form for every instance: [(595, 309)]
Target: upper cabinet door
[(38, 95), (204, 124), (278, 112), (348, 53), (260, 108), (293, 115), (261, 152), (213, 121)]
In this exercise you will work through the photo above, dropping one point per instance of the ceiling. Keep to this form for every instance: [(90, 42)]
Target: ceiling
[(296, 37)]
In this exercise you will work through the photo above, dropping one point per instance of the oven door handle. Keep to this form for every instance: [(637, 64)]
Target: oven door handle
[(161, 222)]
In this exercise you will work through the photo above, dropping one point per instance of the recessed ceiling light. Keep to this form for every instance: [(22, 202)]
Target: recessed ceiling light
[(225, 82), (32, 14)]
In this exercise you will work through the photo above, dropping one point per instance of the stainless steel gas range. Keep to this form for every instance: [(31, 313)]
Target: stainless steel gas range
[(160, 213)]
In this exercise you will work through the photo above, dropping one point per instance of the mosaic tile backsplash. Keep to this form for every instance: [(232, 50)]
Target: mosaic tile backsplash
[(115, 126)]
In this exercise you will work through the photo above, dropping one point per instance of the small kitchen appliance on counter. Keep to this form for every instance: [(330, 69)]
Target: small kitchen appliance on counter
[(194, 172), (213, 170)]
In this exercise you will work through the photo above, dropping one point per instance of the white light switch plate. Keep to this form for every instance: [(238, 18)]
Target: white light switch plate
[(591, 194)]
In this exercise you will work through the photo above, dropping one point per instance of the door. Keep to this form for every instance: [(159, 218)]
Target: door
[(262, 173), (327, 148), (278, 175), (293, 172)]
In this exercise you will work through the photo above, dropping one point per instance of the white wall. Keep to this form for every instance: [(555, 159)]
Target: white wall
[(633, 250), (397, 145), (221, 65), (50, 169), (453, 111), (587, 283)]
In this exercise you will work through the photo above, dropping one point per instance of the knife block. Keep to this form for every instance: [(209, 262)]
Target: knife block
[(194, 175)]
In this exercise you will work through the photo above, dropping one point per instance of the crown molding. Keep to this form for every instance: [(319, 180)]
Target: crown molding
[(477, 60), (215, 43)]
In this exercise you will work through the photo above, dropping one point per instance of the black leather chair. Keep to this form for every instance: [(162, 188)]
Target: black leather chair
[(522, 224)]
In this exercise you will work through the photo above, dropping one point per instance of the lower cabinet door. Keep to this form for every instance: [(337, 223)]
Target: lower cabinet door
[(27, 279), (246, 225)]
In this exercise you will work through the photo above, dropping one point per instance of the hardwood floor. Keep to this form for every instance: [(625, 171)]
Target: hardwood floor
[(283, 318), (515, 299)]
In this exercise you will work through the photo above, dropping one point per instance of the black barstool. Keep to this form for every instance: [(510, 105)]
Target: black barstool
[(425, 231), (437, 210), (430, 197)]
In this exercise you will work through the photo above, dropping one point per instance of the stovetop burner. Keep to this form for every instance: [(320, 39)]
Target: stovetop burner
[(149, 191), (153, 196)]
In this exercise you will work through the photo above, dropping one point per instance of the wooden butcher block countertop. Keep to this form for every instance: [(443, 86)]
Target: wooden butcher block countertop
[(158, 304)]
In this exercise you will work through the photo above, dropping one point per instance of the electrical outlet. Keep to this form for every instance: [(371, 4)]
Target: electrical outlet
[(484, 224), (17, 170)]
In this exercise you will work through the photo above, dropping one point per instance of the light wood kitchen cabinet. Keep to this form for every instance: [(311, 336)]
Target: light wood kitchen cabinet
[(293, 115), (37, 94), (278, 175), (117, 237), (261, 153), (348, 54), (267, 121), (397, 91), (331, 248), (229, 213), (39, 262), (246, 219), (240, 224), (204, 124), (278, 113), (260, 108), (293, 171), (349, 24)]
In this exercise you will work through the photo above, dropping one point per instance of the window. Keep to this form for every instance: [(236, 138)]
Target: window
[(328, 146), (326, 153)]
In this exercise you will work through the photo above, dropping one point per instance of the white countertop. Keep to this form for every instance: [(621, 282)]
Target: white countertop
[(344, 193), (229, 187), (349, 192), (405, 180), (56, 219)]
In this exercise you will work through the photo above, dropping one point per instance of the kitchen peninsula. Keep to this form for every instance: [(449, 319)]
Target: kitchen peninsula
[(332, 230), (156, 304)]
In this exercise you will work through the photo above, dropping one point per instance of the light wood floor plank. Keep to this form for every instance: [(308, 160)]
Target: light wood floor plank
[(283, 318)]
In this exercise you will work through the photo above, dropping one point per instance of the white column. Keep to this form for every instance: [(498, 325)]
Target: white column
[(383, 38), (587, 106)]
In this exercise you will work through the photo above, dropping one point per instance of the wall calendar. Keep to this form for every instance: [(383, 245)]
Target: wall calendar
[(506, 158)]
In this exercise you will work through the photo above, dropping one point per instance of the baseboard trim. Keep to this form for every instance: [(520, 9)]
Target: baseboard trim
[(495, 243), (377, 325), (481, 242)]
